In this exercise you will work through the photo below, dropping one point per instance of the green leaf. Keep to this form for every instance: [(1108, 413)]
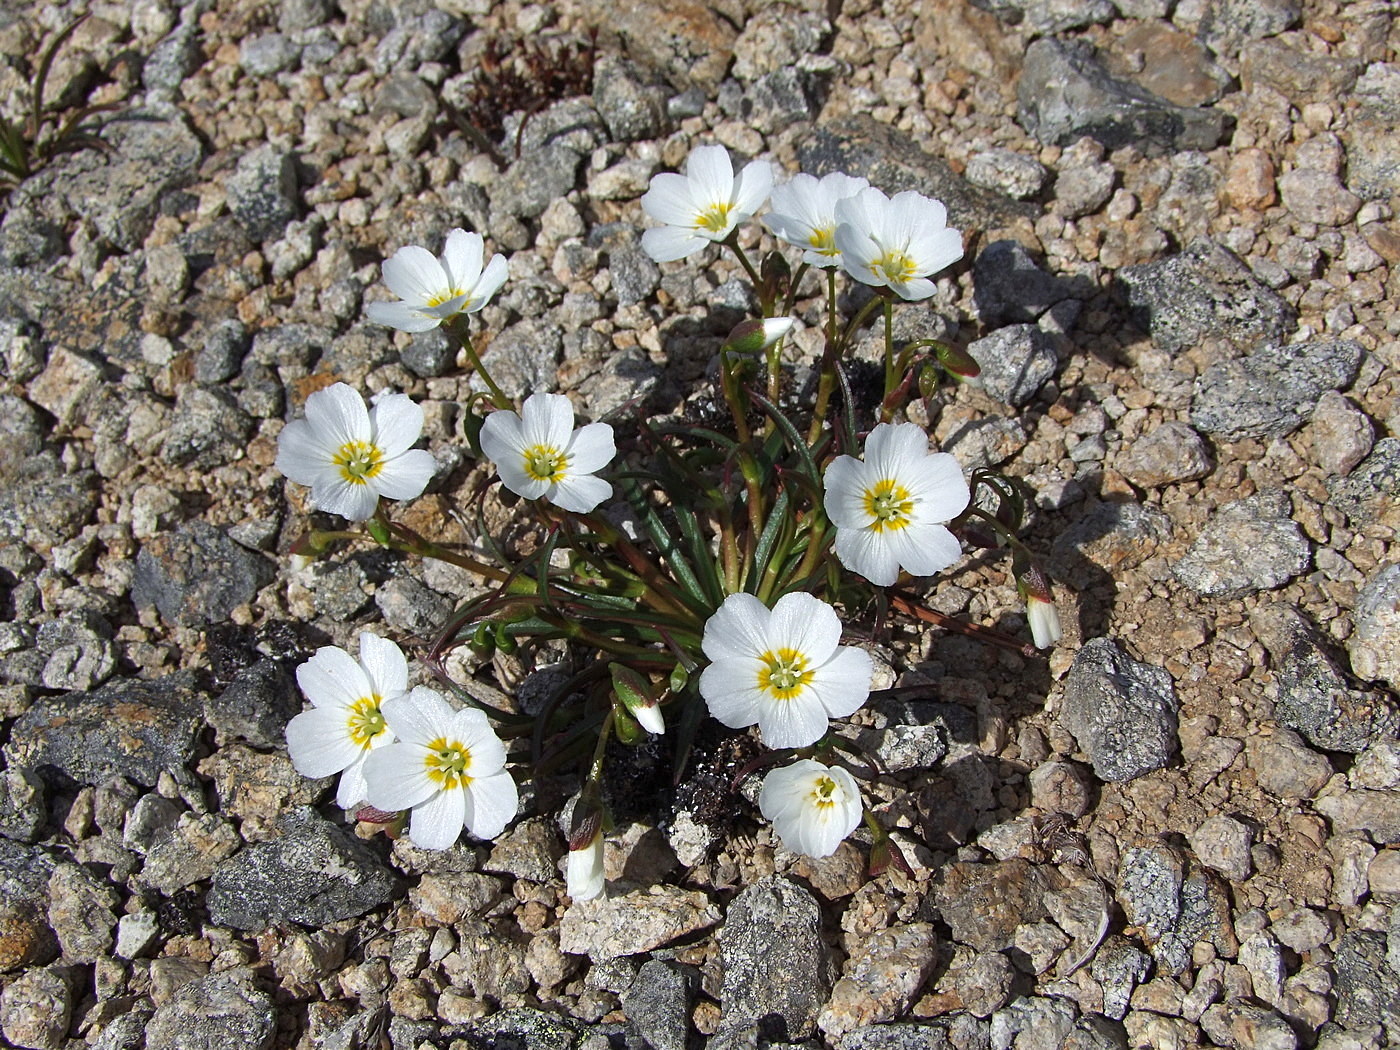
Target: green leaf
[(795, 440)]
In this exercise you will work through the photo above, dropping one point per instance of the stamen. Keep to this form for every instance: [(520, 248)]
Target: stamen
[(715, 218), (785, 673), (365, 720), (890, 504), (359, 461), (545, 463), (447, 762)]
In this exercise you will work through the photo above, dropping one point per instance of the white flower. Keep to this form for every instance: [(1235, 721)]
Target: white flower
[(783, 668), (895, 243), (345, 723), (803, 213), (703, 205), (1044, 621), (447, 766), (584, 871), (540, 455), (888, 509), (813, 807), (350, 455), (432, 290)]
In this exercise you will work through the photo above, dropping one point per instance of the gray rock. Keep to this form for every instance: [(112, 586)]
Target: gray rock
[(527, 1027), (658, 1005), (535, 181), (881, 979), (1250, 545), (78, 651), (898, 1036), (630, 103), (1008, 285), (1271, 392), (173, 59), (1016, 362), (983, 904), (190, 853), (1357, 811), (262, 192), (1367, 991), (907, 735), (153, 153), (25, 936), (1204, 291), (225, 1009), (778, 100), (1065, 93), (130, 728), (1122, 712), (777, 973), (1314, 696), (1048, 17), (1318, 197), (266, 55), (1223, 843), (531, 849), (634, 276), (1262, 956), (1242, 1023), (42, 506), (314, 874), (255, 706), (1033, 1023), (894, 162), (982, 985), (23, 805), (1371, 492), (81, 913), (1374, 645), (196, 575), (1108, 539), (1119, 967), (1083, 189), (1175, 906), (220, 354), (1341, 434), (137, 933), (293, 15), (524, 357), (411, 607), (431, 354), (208, 428), (125, 1032), (419, 37), (1171, 453), (1006, 171), (36, 1009), (1228, 24)]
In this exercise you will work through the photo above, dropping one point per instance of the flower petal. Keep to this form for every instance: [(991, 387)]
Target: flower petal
[(501, 436), (385, 665), (842, 684), (418, 716), (406, 476), (337, 415), (584, 871), (792, 723), (865, 551), (579, 495), (738, 628), (319, 743), (333, 678), (353, 788), (845, 483), (751, 188), (924, 549), (397, 422), (352, 501), (804, 622), (403, 316), (547, 419), (301, 454), (668, 243), (437, 821), (488, 754), (495, 275), (461, 258), (938, 484), (669, 199), (591, 448), (415, 275), (913, 291), (397, 777), (731, 692), (711, 176), (492, 803)]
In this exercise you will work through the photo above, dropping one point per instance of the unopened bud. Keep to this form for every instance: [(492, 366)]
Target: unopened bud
[(755, 336), (639, 695), (961, 365), (1041, 615)]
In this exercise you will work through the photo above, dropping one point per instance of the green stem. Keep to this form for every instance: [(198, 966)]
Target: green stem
[(827, 382), (732, 243), (892, 374), (458, 327)]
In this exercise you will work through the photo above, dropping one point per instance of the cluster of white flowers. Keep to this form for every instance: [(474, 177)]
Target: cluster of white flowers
[(400, 750), (838, 220)]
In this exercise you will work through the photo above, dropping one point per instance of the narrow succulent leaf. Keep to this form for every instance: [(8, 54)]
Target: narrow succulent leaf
[(795, 439), (849, 441), (700, 553), (774, 527), (656, 531)]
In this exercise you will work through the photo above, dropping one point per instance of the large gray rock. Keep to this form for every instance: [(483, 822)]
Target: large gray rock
[(224, 1010), (1314, 696), (1273, 390), (1122, 712), (1174, 905), (130, 728), (1203, 292), (1250, 545), (196, 575), (1016, 362), (1048, 17), (1374, 645), (777, 973), (658, 1005), (1065, 93), (1367, 991), (1371, 492), (1008, 285), (315, 873)]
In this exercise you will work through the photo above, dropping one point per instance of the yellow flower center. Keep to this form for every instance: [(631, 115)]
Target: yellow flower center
[(823, 240), (890, 504), (784, 673), (443, 297), (359, 461), (447, 762), (545, 463), (715, 218), (894, 266), (822, 791), (364, 720)]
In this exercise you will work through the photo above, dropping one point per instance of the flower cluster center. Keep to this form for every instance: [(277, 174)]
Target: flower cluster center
[(438, 298), (824, 790), (545, 463), (447, 762), (715, 218), (359, 461), (364, 720), (784, 673), (823, 240), (890, 504), (895, 265)]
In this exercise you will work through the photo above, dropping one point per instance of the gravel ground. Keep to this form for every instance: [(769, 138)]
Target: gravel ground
[(1178, 830)]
